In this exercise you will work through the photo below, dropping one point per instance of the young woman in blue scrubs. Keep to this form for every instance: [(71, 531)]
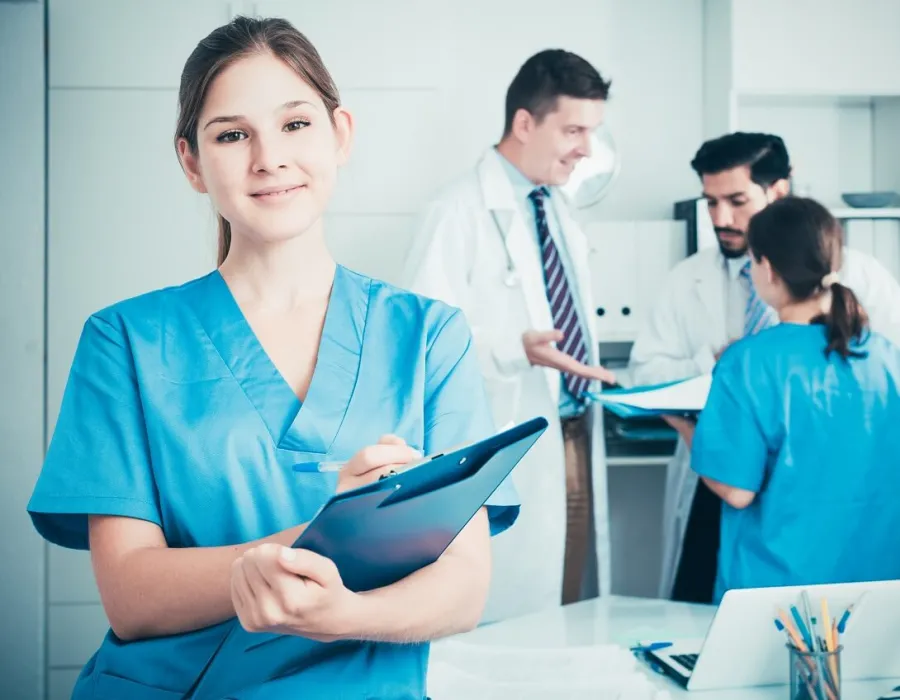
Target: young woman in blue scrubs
[(186, 409), (799, 435)]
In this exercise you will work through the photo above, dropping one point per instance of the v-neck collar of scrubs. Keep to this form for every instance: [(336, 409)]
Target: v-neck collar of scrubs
[(311, 426)]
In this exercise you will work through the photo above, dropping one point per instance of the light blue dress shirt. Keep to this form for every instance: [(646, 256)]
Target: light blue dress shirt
[(522, 187)]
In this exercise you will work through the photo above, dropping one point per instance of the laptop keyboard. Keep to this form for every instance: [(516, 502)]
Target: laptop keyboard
[(686, 660)]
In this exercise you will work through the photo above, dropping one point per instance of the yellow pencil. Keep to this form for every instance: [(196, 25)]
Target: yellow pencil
[(830, 641)]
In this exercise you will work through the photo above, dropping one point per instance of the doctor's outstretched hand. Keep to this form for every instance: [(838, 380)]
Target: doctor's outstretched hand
[(292, 591), (540, 349)]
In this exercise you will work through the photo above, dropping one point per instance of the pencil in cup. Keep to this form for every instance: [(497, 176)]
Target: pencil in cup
[(805, 664), (831, 641), (811, 674)]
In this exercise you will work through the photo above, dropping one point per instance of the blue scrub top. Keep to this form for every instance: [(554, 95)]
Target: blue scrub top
[(173, 413), (817, 439)]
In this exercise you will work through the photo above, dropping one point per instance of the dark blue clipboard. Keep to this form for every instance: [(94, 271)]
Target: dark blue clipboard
[(384, 531), (377, 535)]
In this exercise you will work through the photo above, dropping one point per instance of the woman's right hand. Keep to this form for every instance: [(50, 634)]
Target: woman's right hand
[(375, 460)]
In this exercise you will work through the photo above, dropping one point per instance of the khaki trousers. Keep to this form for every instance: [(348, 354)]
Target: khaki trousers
[(579, 505)]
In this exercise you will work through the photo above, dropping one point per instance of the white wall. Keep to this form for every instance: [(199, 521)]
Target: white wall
[(21, 345), (426, 81), (838, 47), (838, 145)]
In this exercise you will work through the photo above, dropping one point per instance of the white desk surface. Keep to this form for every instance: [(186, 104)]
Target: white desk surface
[(623, 621)]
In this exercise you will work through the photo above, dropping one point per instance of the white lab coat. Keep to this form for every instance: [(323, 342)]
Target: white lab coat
[(458, 255), (688, 325)]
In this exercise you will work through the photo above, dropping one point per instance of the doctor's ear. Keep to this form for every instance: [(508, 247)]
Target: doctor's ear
[(523, 124), (190, 163), (343, 132), (779, 190)]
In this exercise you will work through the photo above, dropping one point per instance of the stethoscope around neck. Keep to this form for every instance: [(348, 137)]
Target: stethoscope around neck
[(511, 276)]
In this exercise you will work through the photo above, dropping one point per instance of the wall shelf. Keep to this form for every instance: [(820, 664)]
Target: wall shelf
[(847, 213)]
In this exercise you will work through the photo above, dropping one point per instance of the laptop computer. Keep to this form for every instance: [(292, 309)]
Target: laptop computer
[(743, 647)]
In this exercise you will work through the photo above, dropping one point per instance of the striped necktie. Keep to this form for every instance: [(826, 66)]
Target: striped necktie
[(758, 315), (562, 303)]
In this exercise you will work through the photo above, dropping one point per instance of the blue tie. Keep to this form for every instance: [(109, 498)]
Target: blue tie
[(562, 303), (758, 315)]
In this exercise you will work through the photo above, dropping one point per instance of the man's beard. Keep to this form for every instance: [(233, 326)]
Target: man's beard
[(731, 252)]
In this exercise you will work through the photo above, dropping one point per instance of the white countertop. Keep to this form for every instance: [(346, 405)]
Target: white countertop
[(624, 621)]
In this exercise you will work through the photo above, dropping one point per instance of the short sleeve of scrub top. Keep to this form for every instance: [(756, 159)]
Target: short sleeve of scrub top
[(729, 443), (98, 461), (457, 409)]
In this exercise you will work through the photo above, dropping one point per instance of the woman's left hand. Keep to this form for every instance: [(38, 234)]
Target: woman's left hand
[(292, 591)]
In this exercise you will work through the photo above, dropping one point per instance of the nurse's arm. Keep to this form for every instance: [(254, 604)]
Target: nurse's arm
[(444, 598), (732, 495), (149, 589)]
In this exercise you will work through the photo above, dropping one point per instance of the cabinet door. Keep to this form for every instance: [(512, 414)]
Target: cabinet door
[(660, 246), (115, 44), (75, 633), (843, 47), (629, 261), (612, 257)]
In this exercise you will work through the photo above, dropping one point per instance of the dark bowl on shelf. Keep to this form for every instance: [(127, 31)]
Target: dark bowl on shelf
[(871, 200)]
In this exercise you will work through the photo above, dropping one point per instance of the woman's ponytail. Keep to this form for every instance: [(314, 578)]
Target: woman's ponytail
[(845, 320), (804, 244)]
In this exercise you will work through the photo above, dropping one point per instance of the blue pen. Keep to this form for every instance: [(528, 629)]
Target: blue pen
[(655, 646), (778, 625), (801, 627), (842, 624), (321, 467)]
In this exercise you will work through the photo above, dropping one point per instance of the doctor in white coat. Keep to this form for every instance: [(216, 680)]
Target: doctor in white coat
[(703, 307), (501, 245)]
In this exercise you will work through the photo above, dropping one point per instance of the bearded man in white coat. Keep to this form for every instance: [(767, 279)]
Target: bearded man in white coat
[(500, 244), (706, 304)]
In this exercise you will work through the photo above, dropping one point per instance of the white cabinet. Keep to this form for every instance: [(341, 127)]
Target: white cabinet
[(825, 76), (837, 47), (628, 262)]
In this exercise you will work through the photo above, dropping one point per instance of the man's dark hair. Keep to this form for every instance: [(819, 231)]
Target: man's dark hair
[(765, 155), (547, 76)]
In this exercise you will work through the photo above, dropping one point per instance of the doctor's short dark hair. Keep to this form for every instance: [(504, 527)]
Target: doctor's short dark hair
[(547, 76), (765, 155)]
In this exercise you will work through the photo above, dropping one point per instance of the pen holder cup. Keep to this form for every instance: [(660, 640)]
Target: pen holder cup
[(815, 675)]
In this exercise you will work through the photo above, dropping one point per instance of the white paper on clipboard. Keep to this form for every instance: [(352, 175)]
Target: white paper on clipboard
[(685, 396)]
